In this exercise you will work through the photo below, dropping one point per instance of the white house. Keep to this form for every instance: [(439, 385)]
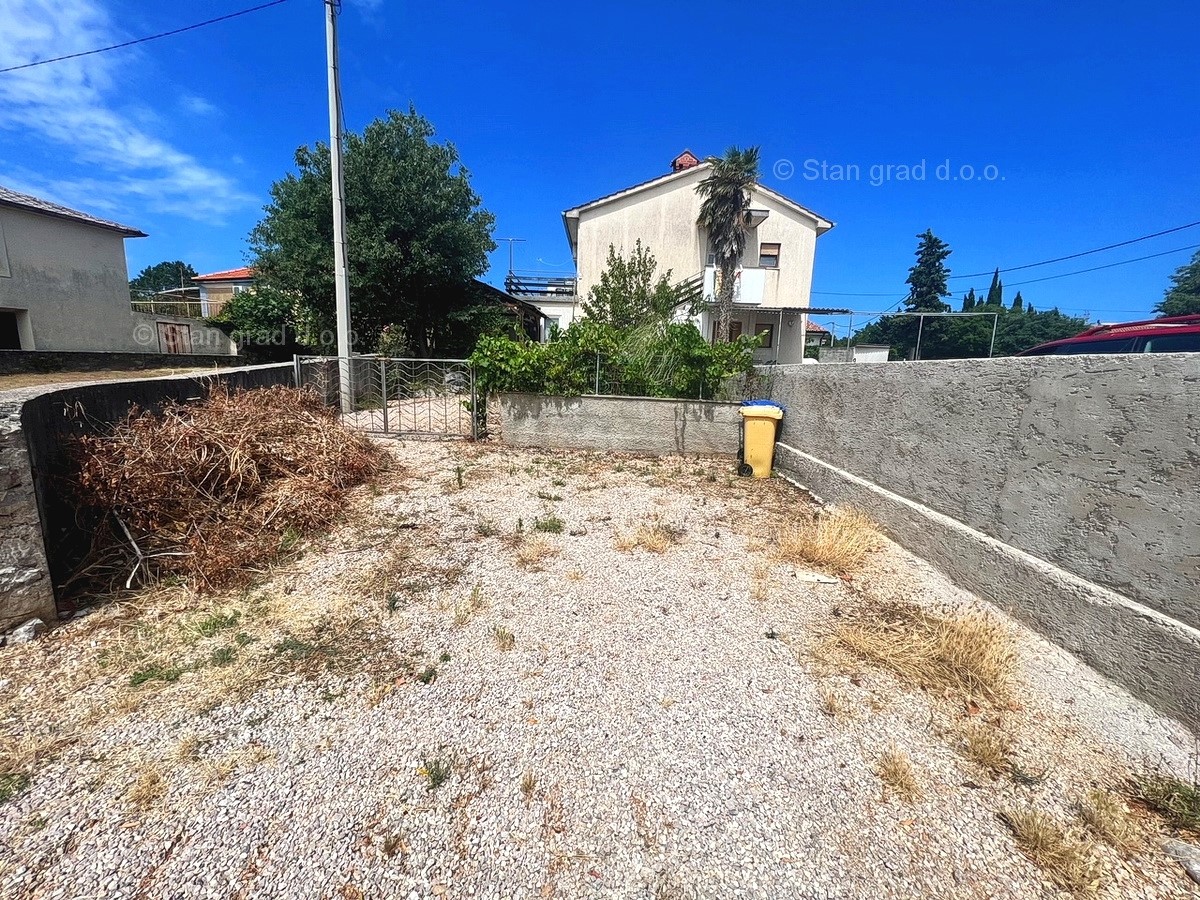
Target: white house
[(774, 282)]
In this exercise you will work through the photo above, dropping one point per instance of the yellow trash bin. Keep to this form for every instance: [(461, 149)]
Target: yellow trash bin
[(760, 421)]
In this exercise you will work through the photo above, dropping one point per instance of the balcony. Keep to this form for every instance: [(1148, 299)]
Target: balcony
[(525, 284), (188, 309), (752, 286)]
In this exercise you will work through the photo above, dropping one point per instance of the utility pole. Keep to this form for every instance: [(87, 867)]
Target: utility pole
[(341, 278)]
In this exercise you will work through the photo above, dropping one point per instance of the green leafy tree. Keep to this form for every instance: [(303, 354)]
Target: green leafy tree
[(416, 237), (1182, 298), (723, 212), (161, 277), (628, 293), (262, 320)]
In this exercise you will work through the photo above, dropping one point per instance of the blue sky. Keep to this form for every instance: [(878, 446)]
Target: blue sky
[(1082, 123)]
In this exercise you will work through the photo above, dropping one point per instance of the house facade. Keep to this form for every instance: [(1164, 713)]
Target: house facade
[(218, 288), (773, 285)]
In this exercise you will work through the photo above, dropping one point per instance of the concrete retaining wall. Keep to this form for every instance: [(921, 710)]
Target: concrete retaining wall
[(1064, 488), (631, 424), (19, 361), (41, 537)]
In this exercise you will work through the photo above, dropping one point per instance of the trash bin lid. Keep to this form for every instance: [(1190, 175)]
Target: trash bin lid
[(773, 403), (762, 409)]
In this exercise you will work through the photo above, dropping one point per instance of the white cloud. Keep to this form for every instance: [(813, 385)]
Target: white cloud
[(198, 106), (80, 104)]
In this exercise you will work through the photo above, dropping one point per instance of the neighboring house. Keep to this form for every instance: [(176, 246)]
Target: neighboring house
[(64, 286), (63, 280), (218, 288), (773, 284)]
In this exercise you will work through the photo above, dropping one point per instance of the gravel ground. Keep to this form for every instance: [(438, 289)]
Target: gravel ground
[(656, 729)]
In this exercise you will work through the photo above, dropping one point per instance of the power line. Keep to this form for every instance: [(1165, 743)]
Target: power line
[(1047, 262), (142, 40), (1123, 262)]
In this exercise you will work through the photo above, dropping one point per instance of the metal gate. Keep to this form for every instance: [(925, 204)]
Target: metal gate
[(407, 398)]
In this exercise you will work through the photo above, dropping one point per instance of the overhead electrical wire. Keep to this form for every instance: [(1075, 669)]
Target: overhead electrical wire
[(142, 40)]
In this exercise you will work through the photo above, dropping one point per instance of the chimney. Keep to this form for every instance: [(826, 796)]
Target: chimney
[(684, 160)]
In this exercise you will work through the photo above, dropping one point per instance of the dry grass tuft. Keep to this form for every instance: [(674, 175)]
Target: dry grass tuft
[(503, 637), (528, 785), (534, 552), (1067, 858), (1108, 816), (896, 771), (987, 747), (213, 491), (148, 787), (838, 540), (834, 704), (971, 654), (655, 537), (466, 607)]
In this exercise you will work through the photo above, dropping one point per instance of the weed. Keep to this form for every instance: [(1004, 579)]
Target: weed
[(970, 654), (216, 622), (466, 607), (1176, 800), (37, 823), (243, 640), (533, 554), (1066, 857), (295, 649), (392, 844), (834, 705), (12, 784), (558, 482), (987, 747), (222, 656), (574, 575), (394, 602), (445, 657), (552, 524), (289, 540), (839, 540), (155, 673), (458, 474), (428, 675), (503, 637), (147, 787), (552, 498), (656, 537), (1106, 815), (528, 785), (895, 770), (486, 528), (435, 771)]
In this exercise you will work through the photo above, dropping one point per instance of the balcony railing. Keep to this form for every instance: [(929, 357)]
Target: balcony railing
[(533, 285), (189, 309)]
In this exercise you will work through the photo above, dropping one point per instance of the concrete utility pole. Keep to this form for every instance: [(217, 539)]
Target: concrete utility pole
[(341, 277)]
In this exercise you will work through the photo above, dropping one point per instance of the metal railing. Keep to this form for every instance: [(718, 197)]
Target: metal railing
[(406, 397), (189, 309)]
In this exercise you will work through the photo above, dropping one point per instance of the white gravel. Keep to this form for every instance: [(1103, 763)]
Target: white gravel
[(678, 750)]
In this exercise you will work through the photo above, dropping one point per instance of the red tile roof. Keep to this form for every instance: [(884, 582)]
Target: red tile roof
[(245, 273)]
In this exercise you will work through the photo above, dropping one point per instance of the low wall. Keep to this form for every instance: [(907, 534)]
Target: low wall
[(630, 424), (1066, 489), (42, 540), (14, 362)]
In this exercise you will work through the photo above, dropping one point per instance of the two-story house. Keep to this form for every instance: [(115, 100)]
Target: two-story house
[(774, 282)]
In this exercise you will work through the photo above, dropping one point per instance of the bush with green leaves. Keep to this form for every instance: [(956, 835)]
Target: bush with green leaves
[(666, 360)]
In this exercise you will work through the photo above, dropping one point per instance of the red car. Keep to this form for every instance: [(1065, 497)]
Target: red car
[(1171, 334)]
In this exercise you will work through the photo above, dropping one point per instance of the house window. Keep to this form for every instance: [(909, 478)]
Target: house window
[(241, 288), (735, 330), (768, 256), (767, 330)]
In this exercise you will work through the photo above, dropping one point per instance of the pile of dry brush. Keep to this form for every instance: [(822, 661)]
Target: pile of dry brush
[(212, 491)]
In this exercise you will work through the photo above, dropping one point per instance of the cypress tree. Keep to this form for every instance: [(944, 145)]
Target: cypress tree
[(995, 295), (968, 303), (1018, 301)]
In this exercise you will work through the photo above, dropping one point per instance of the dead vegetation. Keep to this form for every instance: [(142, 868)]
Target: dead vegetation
[(970, 654), (534, 552), (1067, 858), (1109, 818), (988, 747), (896, 771), (838, 540), (212, 491), (655, 537)]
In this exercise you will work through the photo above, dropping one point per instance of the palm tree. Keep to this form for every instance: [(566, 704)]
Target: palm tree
[(726, 193)]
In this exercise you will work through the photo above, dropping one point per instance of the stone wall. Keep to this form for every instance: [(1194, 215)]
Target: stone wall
[(25, 590), (630, 424), (1064, 488), (14, 362)]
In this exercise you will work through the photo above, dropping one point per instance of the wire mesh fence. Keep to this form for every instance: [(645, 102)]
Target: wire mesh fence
[(410, 398)]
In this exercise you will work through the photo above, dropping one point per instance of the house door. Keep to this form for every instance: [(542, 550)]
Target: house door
[(10, 331), (174, 338)]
